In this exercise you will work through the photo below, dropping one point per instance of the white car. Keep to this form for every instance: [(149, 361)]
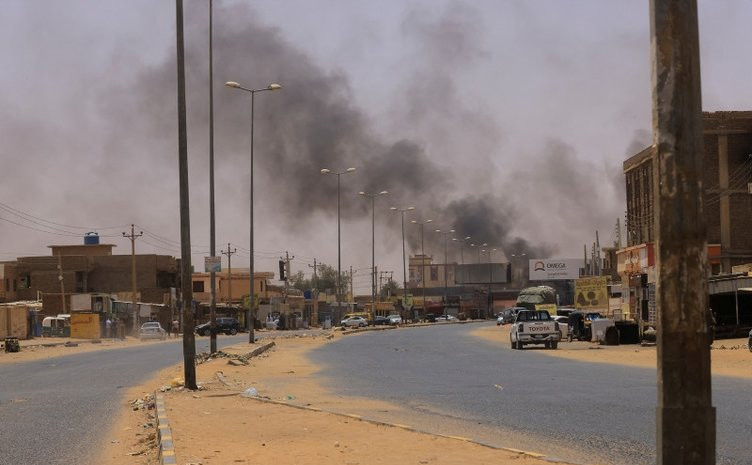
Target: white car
[(446, 318), (152, 330), (354, 321), (394, 319), (563, 324)]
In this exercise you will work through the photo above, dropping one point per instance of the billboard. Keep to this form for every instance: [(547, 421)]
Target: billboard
[(591, 293), (555, 269)]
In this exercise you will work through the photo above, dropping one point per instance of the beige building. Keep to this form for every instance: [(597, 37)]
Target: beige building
[(422, 268), (8, 282), (232, 287)]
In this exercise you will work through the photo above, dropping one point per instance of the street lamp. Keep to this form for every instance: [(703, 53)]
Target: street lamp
[(479, 247), (489, 303), (462, 243), (402, 210), (446, 234), (251, 297), (423, 261), (373, 245), (339, 242)]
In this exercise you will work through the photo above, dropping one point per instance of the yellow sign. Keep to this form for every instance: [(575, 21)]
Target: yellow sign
[(550, 308), (85, 325), (591, 293)]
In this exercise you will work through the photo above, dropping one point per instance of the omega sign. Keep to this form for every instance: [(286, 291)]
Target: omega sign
[(555, 269)]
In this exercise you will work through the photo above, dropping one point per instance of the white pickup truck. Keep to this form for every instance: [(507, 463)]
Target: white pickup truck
[(534, 327)]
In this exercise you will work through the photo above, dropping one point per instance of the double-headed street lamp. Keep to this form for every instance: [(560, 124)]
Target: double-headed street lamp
[(251, 297), (402, 210), (339, 236), (446, 234), (423, 261), (479, 246), (373, 245), (462, 243)]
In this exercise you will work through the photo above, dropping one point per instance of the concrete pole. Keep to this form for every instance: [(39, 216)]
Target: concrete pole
[(133, 236), (685, 415), (212, 216), (189, 343)]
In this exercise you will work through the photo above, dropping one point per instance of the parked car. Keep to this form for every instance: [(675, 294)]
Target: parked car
[(354, 322), (394, 319), (430, 317), (225, 325), (381, 320), (446, 318), (563, 324), (152, 330)]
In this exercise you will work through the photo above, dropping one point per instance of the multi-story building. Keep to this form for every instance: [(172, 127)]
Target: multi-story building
[(8, 282), (726, 178)]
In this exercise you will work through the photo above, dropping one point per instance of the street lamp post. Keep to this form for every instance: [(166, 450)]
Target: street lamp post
[(462, 255), (489, 302), (251, 292), (373, 245), (402, 211), (422, 262), (339, 235), (446, 234)]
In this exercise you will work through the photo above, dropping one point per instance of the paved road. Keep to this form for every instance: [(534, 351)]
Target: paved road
[(56, 411), (454, 383)]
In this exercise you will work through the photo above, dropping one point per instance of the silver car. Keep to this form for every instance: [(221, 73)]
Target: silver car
[(152, 330), (355, 321)]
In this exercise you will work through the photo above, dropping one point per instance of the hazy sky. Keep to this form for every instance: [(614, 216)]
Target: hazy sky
[(506, 120)]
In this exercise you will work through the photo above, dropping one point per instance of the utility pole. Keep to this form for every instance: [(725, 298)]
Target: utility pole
[(133, 236), (315, 277), (189, 343), (60, 278), (352, 295), (287, 259), (686, 418), (212, 223), (229, 253)]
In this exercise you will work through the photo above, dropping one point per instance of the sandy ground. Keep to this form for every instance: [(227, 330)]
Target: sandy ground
[(729, 357), (218, 426), (35, 349)]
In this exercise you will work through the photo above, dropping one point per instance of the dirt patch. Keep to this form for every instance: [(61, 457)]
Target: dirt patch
[(729, 357), (290, 420), (40, 348)]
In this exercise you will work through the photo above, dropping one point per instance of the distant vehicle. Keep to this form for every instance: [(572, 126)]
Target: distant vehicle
[(225, 325), (430, 317), (563, 324), (354, 322), (381, 320), (536, 295), (534, 327), (565, 311), (499, 320), (152, 330), (446, 318), (394, 319), (508, 315)]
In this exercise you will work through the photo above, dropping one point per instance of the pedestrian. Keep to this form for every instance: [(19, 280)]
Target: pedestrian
[(108, 328), (175, 327)]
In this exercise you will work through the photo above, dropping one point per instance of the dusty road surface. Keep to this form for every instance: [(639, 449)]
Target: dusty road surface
[(49, 347), (218, 426)]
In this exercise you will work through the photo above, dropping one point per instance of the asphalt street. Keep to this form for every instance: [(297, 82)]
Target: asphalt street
[(57, 410), (453, 383)]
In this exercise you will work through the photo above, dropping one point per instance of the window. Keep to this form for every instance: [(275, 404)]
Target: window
[(434, 273), (198, 286)]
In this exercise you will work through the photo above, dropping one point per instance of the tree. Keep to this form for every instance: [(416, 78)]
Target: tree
[(327, 279), (391, 287), (299, 281)]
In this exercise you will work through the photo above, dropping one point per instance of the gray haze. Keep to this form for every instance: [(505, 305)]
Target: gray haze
[(506, 121)]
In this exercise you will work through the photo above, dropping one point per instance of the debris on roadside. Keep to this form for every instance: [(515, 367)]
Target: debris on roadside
[(207, 357), (250, 392), (145, 403), (221, 378)]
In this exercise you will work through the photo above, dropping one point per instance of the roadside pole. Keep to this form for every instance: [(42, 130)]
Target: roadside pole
[(189, 344), (133, 236), (685, 416)]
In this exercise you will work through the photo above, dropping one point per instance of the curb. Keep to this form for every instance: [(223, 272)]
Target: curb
[(260, 350), (166, 453)]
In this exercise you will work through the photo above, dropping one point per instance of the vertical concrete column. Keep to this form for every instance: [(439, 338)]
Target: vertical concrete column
[(723, 182)]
